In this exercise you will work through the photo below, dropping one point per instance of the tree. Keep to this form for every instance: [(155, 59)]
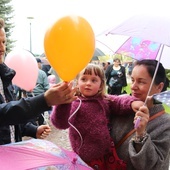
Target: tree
[(6, 13)]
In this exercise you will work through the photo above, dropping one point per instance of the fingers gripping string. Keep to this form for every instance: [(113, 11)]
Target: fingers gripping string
[(73, 125)]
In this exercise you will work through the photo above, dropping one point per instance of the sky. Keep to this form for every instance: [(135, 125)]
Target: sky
[(101, 14)]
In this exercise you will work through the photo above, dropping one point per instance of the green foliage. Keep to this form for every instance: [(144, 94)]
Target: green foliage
[(167, 73), (6, 13)]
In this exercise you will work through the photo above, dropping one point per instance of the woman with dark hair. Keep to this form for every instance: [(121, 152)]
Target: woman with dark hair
[(148, 148), (116, 77)]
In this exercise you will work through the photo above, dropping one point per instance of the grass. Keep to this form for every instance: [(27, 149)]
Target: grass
[(167, 108)]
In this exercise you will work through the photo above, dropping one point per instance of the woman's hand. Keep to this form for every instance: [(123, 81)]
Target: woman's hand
[(142, 115)]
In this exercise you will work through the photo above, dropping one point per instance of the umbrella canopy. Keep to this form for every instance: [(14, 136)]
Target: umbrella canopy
[(152, 28), (97, 53), (163, 97), (37, 154), (139, 49), (148, 27)]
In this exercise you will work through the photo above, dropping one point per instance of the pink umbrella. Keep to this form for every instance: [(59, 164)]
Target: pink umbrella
[(39, 154), (147, 27), (138, 48)]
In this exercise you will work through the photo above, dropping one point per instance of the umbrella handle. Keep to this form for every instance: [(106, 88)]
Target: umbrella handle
[(153, 79), (137, 122)]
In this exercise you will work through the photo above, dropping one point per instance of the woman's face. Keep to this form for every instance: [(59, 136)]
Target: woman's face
[(141, 81), (116, 63)]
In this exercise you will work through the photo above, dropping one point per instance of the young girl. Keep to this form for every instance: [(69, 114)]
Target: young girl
[(87, 117)]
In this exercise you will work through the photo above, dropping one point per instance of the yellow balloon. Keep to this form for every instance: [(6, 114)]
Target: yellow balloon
[(69, 46)]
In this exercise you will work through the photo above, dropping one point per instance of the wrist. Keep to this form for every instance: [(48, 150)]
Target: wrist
[(140, 138), (47, 100), (140, 134)]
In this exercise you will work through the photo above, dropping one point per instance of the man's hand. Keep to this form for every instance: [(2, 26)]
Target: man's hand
[(60, 93)]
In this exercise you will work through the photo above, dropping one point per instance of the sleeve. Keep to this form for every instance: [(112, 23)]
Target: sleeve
[(154, 153), (18, 112), (107, 73), (60, 115), (29, 129), (121, 104)]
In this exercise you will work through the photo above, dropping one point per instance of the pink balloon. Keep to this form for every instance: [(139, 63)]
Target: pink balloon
[(25, 65)]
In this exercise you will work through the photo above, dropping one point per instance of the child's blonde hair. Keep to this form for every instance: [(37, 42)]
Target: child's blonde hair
[(98, 71)]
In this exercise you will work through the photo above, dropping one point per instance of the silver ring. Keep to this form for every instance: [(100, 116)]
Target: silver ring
[(139, 117)]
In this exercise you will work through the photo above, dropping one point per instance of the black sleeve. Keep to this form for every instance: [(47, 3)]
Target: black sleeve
[(107, 73), (18, 112), (29, 129)]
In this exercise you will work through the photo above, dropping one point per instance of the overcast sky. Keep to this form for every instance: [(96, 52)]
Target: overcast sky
[(101, 14)]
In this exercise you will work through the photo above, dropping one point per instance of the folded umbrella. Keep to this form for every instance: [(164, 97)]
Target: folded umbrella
[(37, 154)]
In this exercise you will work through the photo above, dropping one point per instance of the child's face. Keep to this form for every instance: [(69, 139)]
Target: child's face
[(89, 85)]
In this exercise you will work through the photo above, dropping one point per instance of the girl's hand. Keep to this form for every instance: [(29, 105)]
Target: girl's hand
[(136, 105)]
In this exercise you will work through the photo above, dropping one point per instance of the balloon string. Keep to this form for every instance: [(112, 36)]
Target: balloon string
[(74, 126), (153, 79)]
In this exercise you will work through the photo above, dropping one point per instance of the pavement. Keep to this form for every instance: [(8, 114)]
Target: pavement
[(58, 137)]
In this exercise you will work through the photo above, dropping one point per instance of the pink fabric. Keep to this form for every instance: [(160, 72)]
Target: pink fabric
[(20, 158), (36, 153), (139, 49)]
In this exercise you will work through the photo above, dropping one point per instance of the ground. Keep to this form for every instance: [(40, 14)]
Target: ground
[(58, 137)]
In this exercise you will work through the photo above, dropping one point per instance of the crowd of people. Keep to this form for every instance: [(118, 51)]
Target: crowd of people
[(101, 124)]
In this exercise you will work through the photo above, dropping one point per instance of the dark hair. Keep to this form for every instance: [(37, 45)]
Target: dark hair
[(166, 85), (151, 66), (116, 59)]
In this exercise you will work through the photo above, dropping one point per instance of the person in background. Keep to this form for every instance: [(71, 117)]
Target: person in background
[(12, 112), (90, 137), (115, 77), (105, 65), (130, 68), (149, 147), (42, 85), (45, 66), (53, 72), (52, 80)]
